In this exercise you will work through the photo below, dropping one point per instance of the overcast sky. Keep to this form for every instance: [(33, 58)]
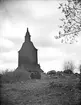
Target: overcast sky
[(42, 19)]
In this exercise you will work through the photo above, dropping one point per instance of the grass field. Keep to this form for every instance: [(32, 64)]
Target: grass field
[(51, 91)]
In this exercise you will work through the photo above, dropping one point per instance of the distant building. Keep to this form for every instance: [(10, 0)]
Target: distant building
[(27, 55)]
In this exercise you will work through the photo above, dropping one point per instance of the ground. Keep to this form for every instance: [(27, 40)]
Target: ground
[(49, 91)]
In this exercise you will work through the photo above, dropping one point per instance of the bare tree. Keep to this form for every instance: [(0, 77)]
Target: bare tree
[(71, 21), (69, 67)]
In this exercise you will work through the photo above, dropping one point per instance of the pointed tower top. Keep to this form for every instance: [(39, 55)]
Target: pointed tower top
[(27, 36), (27, 33), (28, 30)]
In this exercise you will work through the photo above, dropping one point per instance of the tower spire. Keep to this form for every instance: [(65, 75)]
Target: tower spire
[(28, 31), (27, 36)]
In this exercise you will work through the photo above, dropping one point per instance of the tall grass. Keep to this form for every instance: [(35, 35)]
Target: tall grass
[(14, 76)]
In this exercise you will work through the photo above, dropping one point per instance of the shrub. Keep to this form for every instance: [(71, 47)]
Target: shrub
[(59, 73), (76, 74), (52, 72), (80, 68), (68, 71), (69, 67), (35, 75)]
